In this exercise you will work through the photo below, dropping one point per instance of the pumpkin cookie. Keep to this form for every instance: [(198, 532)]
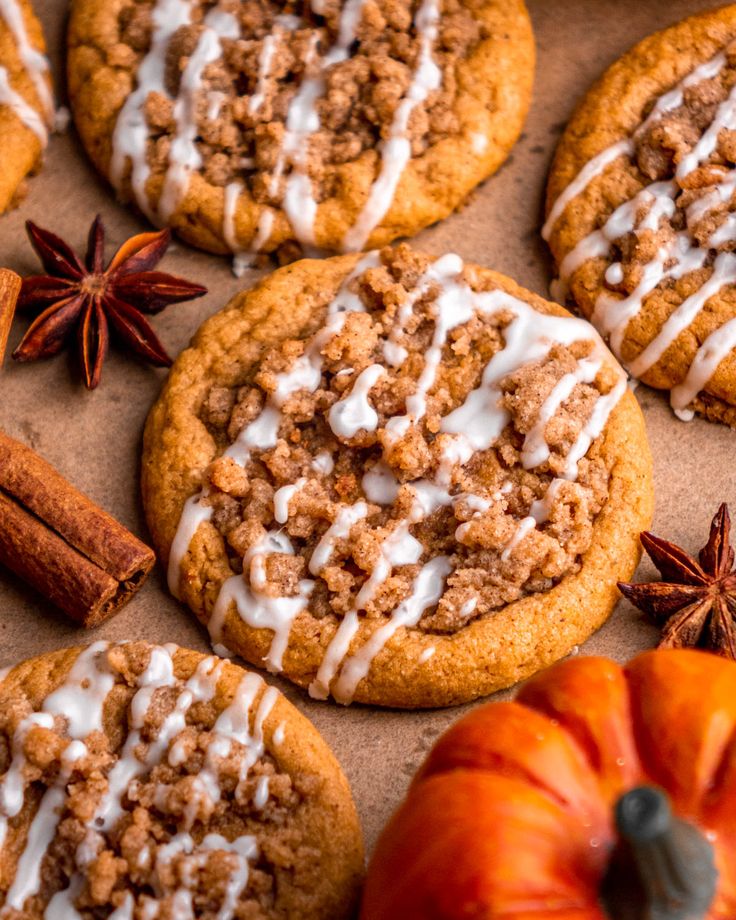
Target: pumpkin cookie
[(26, 101), (641, 212), (402, 481), (151, 781), (251, 126)]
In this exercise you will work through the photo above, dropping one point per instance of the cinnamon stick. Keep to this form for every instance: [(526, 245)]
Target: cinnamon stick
[(10, 285), (61, 543)]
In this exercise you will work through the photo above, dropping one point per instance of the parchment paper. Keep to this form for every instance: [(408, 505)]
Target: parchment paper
[(95, 438)]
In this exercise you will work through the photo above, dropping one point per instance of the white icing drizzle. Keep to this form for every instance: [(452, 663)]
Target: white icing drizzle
[(245, 258), (184, 155), (302, 121), (590, 171), (399, 548), (242, 259), (724, 272), (527, 524), (61, 906), (597, 165), (674, 259), (323, 463), (130, 138), (426, 654), (475, 425), (41, 832), (25, 112), (215, 102), (718, 345), (282, 498), (34, 61), (36, 65), (535, 449), (338, 530), (80, 700), (426, 592), (538, 514), (353, 413), (290, 176), (657, 198), (264, 71), (193, 514), (541, 507), (527, 338), (125, 911), (258, 609), (260, 797), (193, 857), (158, 674), (379, 484), (468, 607), (395, 151), (279, 734), (454, 307)]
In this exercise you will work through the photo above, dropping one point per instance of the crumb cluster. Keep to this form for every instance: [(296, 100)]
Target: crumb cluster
[(494, 491)]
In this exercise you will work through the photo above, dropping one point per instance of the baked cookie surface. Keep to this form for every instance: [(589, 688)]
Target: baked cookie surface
[(26, 101), (253, 126), (400, 480), (150, 781), (640, 212)]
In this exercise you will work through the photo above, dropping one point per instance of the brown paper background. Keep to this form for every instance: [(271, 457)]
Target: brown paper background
[(94, 438)]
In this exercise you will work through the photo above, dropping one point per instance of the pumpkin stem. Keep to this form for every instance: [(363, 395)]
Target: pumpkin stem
[(662, 868)]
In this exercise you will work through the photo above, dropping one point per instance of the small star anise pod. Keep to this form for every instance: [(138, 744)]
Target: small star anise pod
[(696, 603), (91, 299)]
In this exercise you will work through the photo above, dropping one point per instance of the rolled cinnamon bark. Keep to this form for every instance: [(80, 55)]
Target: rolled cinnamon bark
[(61, 543), (10, 285)]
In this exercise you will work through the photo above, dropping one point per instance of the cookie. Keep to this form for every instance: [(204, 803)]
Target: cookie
[(640, 212), (26, 101), (335, 124), (152, 781), (398, 480)]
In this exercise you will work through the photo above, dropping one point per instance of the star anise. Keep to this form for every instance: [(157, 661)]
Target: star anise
[(696, 603), (90, 298)]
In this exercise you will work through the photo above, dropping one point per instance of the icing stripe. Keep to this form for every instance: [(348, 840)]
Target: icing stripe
[(714, 349), (34, 61), (184, 156), (130, 138), (25, 112), (395, 151)]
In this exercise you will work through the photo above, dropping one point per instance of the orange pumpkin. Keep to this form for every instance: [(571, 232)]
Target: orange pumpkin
[(524, 810)]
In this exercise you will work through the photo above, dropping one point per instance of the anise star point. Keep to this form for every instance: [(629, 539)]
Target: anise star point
[(85, 296), (695, 604)]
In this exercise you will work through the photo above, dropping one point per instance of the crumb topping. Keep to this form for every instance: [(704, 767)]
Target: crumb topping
[(665, 151), (391, 451), (240, 103), (175, 809), (656, 270)]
